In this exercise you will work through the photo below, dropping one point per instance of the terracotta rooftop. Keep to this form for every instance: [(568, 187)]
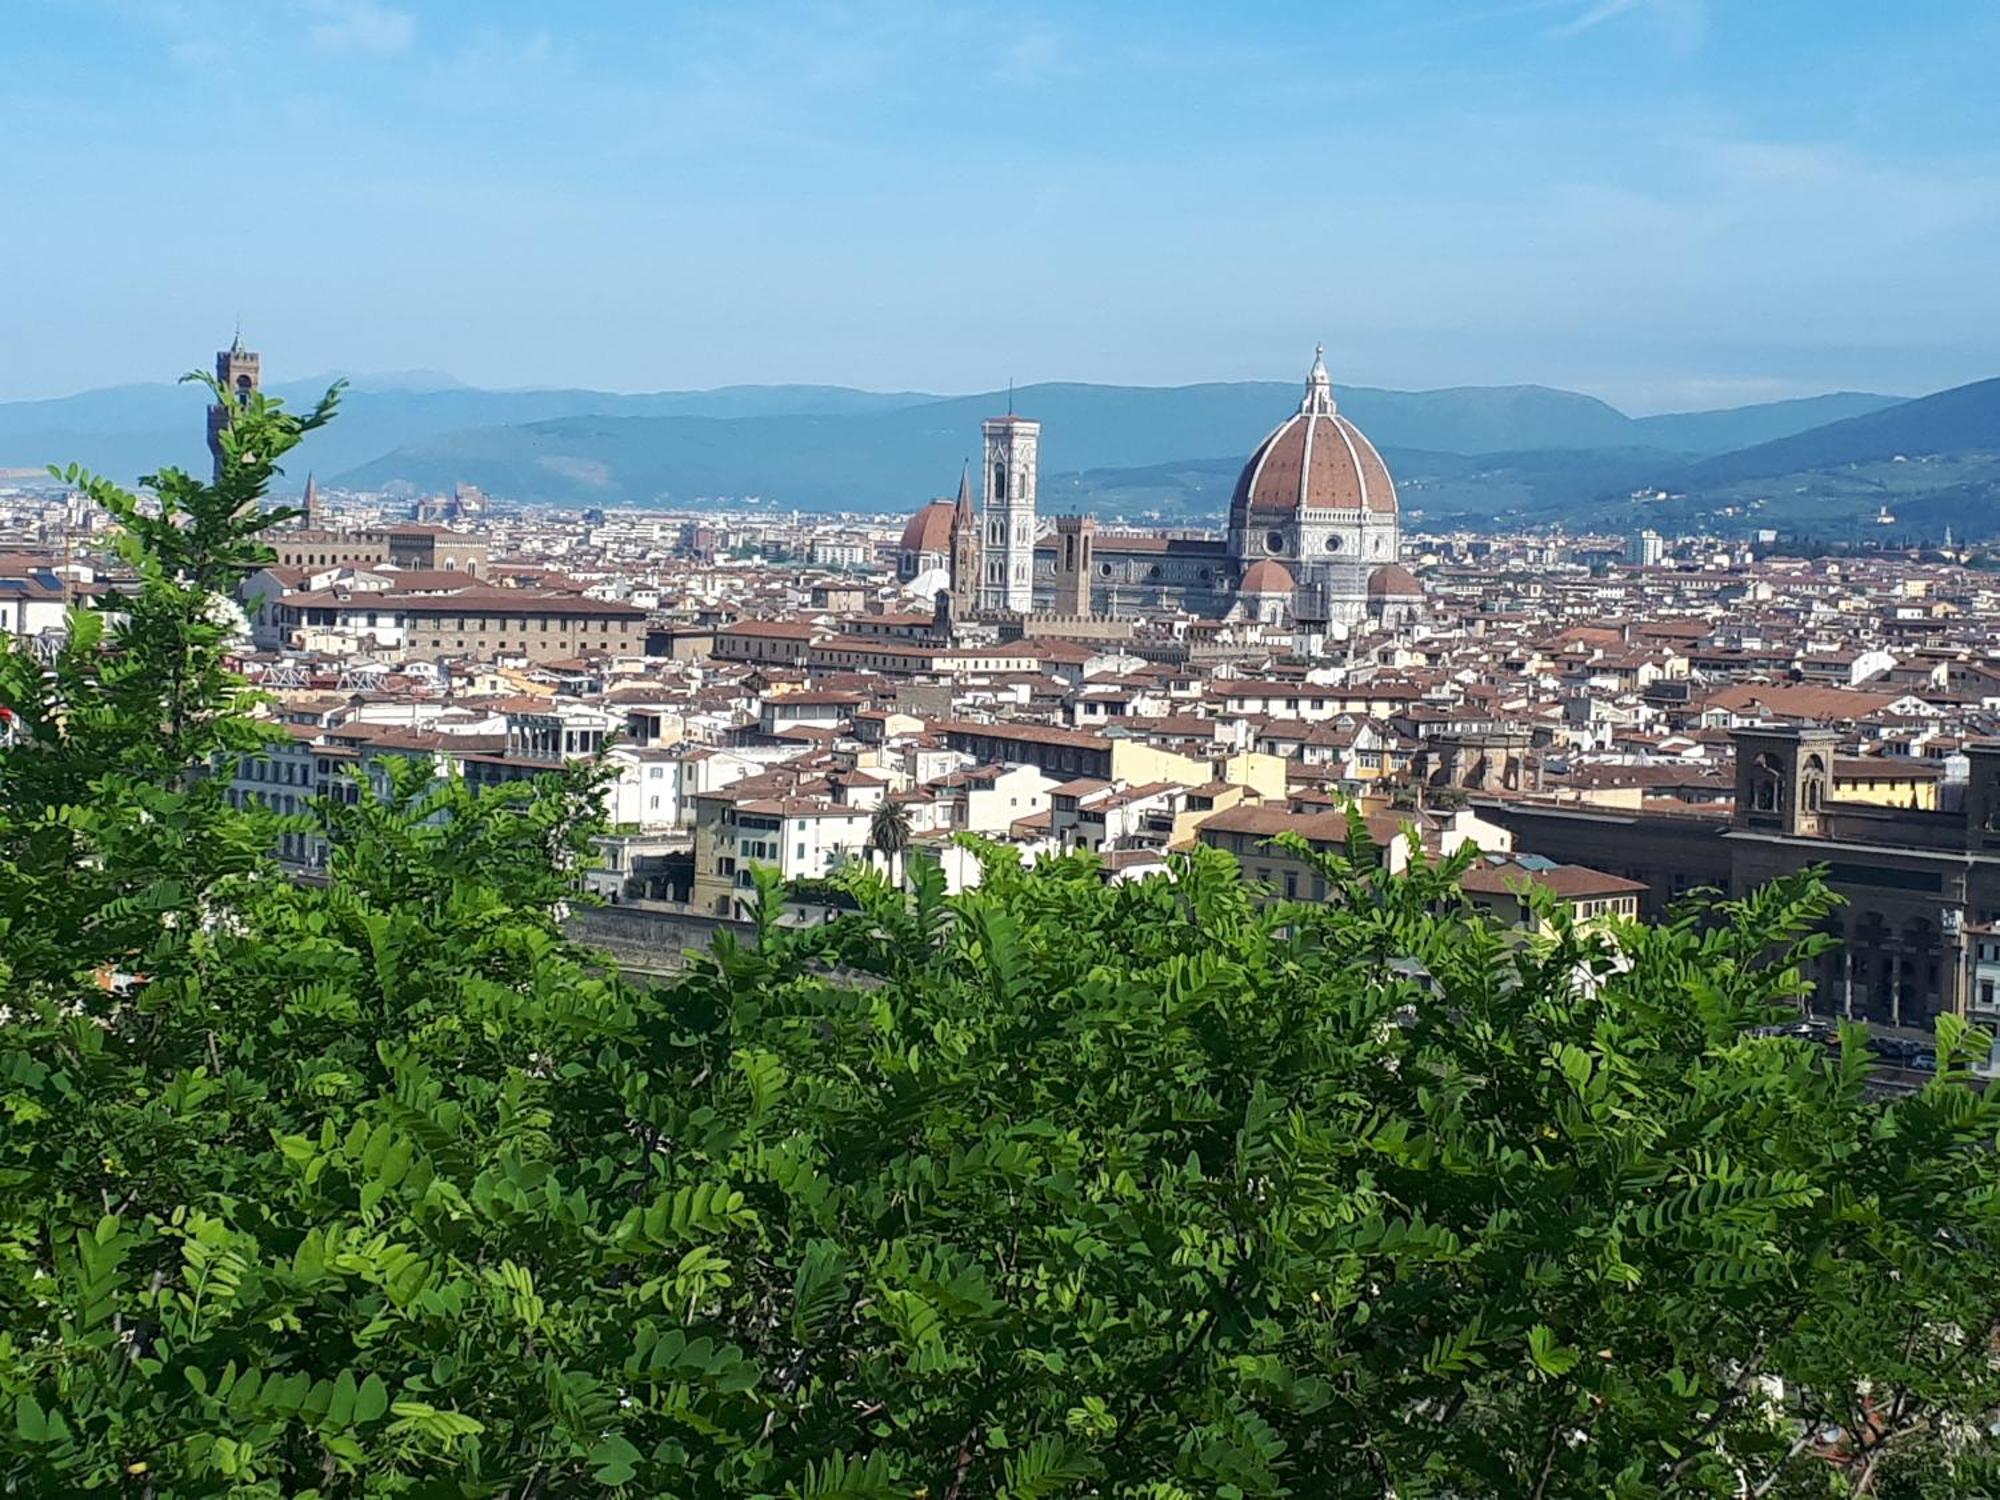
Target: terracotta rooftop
[(1569, 882)]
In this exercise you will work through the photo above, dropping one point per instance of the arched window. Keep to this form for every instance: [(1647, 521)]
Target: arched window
[(999, 481), (1767, 780), (1815, 782)]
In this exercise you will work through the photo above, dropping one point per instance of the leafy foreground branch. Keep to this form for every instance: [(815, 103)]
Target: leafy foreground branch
[(1054, 1189)]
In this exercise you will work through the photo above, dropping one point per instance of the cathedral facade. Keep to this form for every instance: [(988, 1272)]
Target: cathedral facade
[(1312, 537)]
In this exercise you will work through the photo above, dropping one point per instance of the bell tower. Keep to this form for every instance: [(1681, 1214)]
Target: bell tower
[(239, 372), (1784, 778), (1076, 539), (965, 573), (1009, 543)]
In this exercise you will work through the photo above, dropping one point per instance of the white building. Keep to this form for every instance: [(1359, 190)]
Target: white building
[(810, 710), (285, 779), (1105, 815), (805, 838), (839, 552), (32, 603), (991, 799), (1012, 445)]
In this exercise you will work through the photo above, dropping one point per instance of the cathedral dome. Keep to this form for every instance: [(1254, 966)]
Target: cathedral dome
[(1315, 460), (1394, 581), (929, 529), (1267, 577)]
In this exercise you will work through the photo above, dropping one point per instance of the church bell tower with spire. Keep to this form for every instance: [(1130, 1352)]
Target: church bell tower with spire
[(964, 551), (239, 372), (1011, 456)]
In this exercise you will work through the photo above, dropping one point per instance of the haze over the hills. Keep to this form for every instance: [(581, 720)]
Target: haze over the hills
[(818, 446), (134, 429), (1965, 418), (1498, 455), (889, 459)]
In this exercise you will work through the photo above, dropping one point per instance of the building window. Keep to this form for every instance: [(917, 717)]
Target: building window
[(1333, 544), (1274, 541), (1766, 784)]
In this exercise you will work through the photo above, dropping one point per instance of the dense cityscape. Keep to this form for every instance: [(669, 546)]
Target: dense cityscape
[(1615, 721), (883, 751)]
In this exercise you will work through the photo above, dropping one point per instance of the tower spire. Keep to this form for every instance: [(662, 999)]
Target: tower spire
[(1319, 389)]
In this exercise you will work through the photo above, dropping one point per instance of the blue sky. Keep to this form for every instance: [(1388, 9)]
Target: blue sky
[(1669, 203)]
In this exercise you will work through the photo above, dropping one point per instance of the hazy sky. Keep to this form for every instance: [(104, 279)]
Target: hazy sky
[(1665, 202)]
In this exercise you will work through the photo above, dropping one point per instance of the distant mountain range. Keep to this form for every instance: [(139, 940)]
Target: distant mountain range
[(125, 431), (1963, 419), (1491, 455), (887, 459)]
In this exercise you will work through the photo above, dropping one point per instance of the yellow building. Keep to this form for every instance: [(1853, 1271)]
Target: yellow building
[(1888, 781), (1203, 803)]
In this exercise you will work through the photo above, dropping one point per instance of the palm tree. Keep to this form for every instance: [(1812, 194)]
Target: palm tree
[(889, 833)]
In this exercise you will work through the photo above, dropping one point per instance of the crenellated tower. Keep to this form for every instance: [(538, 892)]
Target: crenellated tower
[(239, 372)]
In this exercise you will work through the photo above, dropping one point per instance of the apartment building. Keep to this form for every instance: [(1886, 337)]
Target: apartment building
[(801, 837), (1505, 887), (480, 622), (782, 642)]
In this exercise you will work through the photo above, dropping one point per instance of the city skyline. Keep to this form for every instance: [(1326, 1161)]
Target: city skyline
[(1670, 204)]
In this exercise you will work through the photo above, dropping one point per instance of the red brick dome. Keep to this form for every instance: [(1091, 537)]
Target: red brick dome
[(1315, 460), (929, 529), (1267, 577), (1394, 581)]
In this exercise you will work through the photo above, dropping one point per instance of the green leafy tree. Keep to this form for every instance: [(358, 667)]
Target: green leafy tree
[(1158, 1190), (112, 830)]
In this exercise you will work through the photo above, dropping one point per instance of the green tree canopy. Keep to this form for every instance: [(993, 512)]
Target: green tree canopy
[(1162, 1189)]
